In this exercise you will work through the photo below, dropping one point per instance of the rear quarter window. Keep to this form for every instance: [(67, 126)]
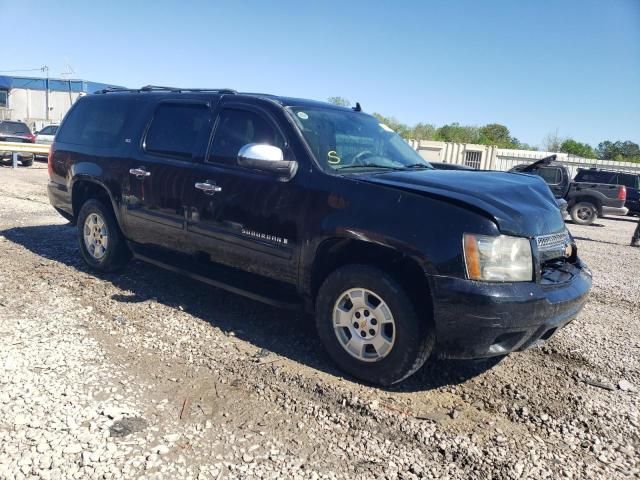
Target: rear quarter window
[(97, 121), (18, 128)]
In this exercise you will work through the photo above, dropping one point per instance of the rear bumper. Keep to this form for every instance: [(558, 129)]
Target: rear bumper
[(481, 319), (633, 206), (615, 211)]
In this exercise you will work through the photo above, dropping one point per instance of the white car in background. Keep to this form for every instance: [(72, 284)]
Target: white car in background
[(47, 134)]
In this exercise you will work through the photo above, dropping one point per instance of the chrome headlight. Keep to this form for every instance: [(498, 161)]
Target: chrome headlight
[(498, 259)]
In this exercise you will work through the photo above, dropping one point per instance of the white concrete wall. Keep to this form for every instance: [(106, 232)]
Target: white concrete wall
[(507, 159), (456, 153), (30, 106), (504, 159)]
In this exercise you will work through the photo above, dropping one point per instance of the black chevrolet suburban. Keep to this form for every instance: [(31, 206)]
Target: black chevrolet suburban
[(631, 181), (303, 204)]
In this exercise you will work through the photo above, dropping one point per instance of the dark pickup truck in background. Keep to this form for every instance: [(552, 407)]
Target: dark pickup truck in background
[(586, 200)]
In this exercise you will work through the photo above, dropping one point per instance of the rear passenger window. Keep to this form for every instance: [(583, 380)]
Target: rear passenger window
[(98, 121), (235, 129), (176, 129), (596, 177)]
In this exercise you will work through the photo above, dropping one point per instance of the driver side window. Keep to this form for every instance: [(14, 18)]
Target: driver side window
[(236, 128)]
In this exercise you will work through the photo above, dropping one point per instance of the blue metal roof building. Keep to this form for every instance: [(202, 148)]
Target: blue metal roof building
[(54, 84), (40, 101)]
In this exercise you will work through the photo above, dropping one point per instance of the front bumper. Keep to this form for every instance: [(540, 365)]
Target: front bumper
[(482, 319), (622, 211)]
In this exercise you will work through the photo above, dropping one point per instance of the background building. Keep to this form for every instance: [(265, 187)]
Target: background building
[(40, 101)]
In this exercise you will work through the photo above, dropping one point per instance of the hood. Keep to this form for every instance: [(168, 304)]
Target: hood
[(521, 205)]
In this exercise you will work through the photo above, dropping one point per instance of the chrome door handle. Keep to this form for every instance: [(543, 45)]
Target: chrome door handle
[(139, 172), (208, 187)]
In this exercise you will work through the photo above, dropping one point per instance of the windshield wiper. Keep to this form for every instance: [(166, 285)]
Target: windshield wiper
[(416, 166), (368, 165)]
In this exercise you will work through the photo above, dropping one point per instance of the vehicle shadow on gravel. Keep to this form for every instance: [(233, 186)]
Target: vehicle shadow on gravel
[(587, 239), (285, 333)]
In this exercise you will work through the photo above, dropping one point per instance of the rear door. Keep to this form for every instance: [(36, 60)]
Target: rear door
[(240, 217), (160, 172)]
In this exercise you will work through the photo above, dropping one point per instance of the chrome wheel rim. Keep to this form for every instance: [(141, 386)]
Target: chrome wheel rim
[(585, 213), (96, 236), (364, 325)]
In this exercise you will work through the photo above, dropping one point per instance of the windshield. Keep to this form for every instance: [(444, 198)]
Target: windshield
[(353, 141)]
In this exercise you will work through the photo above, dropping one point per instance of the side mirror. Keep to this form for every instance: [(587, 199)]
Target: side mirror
[(267, 158)]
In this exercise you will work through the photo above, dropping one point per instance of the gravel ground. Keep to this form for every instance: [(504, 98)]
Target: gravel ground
[(146, 374)]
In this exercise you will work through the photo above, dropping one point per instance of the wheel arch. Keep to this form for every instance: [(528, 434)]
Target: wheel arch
[(409, 271), (86, 188)]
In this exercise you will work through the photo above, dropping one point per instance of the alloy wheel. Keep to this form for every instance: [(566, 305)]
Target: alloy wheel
[(96, 236), (364, 324)]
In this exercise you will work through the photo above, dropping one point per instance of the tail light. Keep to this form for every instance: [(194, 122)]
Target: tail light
[(50, 161), (31, 137), (622, 192)]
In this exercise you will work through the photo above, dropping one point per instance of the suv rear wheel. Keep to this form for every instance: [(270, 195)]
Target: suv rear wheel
[(370, 327), (584, 213), (101, 243)]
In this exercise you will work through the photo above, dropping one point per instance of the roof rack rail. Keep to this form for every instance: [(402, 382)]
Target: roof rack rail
[(158, 88), (154, 88)]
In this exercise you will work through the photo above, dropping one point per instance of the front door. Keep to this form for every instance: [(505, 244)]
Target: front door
[(241, 217), (556, 179), (161, 171)]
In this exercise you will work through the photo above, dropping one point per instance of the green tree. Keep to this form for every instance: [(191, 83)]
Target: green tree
[(400, 128), (422, 131), (341, 101), (496, 134), (576, 148), (526, 146), (627, 151), (458, 133)]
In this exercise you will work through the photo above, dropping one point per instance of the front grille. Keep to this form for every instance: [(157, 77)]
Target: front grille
[(552, 246), (553, 241)]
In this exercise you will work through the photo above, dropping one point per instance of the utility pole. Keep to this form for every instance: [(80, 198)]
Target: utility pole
[(46, 70)]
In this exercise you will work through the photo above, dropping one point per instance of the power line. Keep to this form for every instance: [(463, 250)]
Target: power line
[(41, 69)]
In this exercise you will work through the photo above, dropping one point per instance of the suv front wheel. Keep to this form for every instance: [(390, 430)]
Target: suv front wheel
[(370, 326), (101, 243)]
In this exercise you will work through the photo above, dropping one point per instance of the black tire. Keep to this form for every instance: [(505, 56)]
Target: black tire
[(27, 162), (414, 338), (584, 213), (116, 253)]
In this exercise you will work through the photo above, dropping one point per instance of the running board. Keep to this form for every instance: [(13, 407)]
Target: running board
[(285, 302)]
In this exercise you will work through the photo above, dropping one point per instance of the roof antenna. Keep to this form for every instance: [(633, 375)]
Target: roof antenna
[(357, 108)]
